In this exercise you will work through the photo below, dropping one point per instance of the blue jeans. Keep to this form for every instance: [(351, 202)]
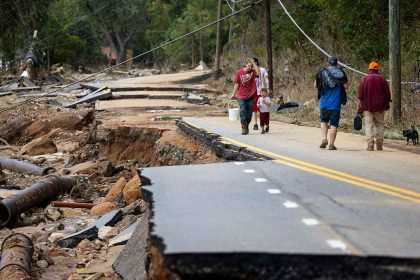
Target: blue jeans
[(245, 107)]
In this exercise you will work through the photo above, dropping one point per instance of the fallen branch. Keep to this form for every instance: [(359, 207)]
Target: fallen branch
[(5, 142)]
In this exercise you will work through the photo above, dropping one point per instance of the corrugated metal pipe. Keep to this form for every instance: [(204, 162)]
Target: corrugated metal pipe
[(16, 254), (34, 195), (23, 167)]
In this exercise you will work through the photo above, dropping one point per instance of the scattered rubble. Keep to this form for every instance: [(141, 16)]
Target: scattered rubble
[(80, 230)]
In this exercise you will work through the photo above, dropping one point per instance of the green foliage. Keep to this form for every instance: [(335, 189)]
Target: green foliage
[(200, 45), (73, 30), (18, 20)]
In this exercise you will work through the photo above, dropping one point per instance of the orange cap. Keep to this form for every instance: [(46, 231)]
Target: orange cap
[(373, 66)]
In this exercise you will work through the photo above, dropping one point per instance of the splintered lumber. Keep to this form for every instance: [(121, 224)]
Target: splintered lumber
[(18, 89), (99, 94), (5, 93), (38, 141), (27, 82)]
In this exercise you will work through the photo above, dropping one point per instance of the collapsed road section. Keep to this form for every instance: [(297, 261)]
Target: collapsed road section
[(235, 221), (221, 226)]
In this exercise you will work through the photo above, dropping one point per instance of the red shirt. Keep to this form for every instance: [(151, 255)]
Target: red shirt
[(247, 85), (374, 93)]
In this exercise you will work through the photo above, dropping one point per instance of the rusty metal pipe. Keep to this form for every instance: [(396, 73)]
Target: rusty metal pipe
[(72, 204), (23, 167), (16, 254), (34, 195)]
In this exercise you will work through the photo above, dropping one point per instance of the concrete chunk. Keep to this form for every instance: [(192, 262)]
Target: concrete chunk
[(124, 236), (91, 232)]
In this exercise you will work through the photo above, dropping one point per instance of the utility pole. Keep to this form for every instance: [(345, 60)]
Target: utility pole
[(269, 48), (395, 59), (218, 36), (230, 24)]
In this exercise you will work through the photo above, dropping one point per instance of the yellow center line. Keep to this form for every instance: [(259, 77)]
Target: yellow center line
[(336, 175), (349, 181)]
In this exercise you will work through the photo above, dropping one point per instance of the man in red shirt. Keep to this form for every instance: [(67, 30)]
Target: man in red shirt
[(244, 90), (374, 98)]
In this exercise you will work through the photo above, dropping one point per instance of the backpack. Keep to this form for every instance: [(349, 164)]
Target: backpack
[(326, 80)]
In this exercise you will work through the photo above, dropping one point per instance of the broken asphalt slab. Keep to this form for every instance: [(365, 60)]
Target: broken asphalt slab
[(91, 232), (225, 213), (147, 94), (144, 104), (239, 223), (132, 262)]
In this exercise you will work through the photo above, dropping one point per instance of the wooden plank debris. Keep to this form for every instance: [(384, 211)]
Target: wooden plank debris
[(5, 93), (19, 89), (27, 82), (38, 141), (99, 94)]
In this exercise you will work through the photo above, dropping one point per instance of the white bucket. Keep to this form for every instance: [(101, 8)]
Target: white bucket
[(233, 112)]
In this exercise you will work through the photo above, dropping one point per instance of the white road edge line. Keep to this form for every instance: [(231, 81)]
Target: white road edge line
[(290, 204), (337, 244), (310, 222), (260, 180), (274, 191), (239, 163)]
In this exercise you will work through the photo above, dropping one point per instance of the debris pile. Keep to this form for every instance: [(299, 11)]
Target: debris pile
[(69, 183)]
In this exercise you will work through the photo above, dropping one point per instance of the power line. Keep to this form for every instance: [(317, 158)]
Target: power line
[(320, 49), (79, 19), (98, 35), (135, 57), (315, 44)]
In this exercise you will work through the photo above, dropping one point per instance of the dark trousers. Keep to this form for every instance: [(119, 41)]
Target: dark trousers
[(264, 118)]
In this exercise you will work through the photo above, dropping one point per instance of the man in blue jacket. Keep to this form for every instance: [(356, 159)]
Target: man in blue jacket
[(331, 82)]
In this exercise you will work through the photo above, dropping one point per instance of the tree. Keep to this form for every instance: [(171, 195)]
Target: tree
[(116, 20), (200, 45), (69, 36), (18, 20)]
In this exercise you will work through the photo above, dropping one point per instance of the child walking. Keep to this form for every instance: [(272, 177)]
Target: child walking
[(263, 105)]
